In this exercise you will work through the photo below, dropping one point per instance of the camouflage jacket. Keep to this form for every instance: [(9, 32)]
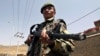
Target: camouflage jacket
[(61, 46)]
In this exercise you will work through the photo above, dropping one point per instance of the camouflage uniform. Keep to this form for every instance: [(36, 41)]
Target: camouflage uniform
[(61, 47)]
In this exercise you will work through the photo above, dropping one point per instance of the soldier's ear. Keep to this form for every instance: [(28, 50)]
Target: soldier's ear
[(55, 12)]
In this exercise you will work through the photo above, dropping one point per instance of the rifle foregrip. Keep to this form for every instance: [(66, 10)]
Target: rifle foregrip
[(67, 36)]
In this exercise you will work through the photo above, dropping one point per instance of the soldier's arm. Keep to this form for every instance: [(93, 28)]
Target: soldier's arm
[(62, 30)]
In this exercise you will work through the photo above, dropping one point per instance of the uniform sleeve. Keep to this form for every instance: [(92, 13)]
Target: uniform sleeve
[(63, 28), (58, 42)]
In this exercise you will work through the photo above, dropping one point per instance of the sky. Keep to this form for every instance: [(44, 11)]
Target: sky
[(19, 15)]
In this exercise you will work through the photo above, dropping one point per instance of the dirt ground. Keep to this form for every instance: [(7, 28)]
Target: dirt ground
[(12, 50), (88, 47)]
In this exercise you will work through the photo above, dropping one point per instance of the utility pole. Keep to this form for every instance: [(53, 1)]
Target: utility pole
[(18, 35)]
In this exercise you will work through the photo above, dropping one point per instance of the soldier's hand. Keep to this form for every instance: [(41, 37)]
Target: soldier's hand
[(44, 36), (83, 36), (29, 39)]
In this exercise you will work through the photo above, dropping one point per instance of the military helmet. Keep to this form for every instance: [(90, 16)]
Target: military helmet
[(45, 5)]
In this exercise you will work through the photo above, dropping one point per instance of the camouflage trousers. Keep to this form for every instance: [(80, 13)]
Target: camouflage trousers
[(54, 53), (61, 48)]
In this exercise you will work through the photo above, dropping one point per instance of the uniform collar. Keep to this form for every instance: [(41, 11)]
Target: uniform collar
[(50, 20)]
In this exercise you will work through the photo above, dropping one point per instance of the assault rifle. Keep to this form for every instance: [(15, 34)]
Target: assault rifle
[(54, 34)]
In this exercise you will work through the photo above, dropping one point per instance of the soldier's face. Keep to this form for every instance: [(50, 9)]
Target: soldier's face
[(48, 12)]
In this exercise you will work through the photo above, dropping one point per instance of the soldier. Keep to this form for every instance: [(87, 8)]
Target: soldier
[(49, 47)]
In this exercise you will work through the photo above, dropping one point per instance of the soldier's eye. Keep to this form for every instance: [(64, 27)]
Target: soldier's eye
[(49, 8)]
